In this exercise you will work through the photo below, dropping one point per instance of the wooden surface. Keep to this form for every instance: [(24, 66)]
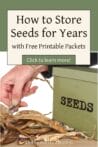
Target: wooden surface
[(65, 143)]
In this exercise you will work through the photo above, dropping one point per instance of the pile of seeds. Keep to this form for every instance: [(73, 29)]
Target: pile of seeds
[(30, 125)]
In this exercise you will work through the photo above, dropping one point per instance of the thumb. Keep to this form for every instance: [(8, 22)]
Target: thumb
[(17, 93)]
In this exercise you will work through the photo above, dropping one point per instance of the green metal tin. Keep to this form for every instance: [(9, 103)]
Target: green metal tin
[(75, 98)]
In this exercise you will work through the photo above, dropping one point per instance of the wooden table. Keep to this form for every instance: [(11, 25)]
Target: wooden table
[(64, 143)]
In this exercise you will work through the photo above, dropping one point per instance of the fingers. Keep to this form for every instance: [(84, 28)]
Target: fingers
[(17, 92), (4, 93), (23, 104), (27, 90), (31, 90), (27, 86)]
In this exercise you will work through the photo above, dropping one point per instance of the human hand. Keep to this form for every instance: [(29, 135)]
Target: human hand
[(17, 83)]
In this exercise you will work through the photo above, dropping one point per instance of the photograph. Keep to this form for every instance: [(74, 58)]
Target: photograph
[(48, 73)]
